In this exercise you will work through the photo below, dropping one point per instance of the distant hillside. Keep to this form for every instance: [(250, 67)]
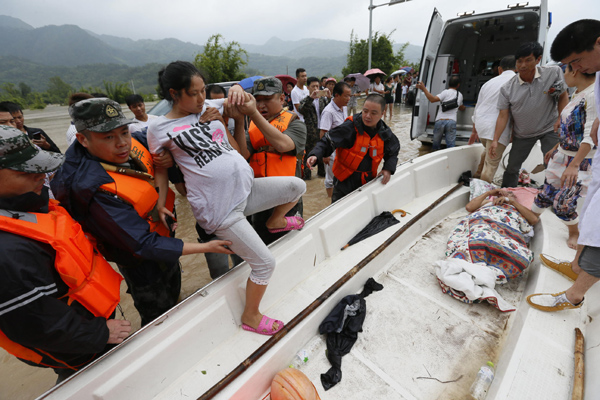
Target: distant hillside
[(317, 66), (300, 48), (35, 75), (321, 48), (148, 51), (15, 23), (84, 58)]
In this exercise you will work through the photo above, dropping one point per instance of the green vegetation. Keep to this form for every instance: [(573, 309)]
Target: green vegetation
[(21, 95), (115, 91), (382, 54), (222, 62), (58, 92)]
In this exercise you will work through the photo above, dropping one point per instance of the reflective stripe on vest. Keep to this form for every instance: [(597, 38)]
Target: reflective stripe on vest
[(91, 280), (137, 188), (271, 163), (347, 160)]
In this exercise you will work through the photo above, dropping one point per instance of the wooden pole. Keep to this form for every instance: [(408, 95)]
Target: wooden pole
[(237, 371), (579, 375)]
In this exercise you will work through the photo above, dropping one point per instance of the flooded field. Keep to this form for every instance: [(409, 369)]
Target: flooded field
[(19, 381)]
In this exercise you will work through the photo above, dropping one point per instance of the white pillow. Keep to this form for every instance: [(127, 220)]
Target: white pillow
[(479, 187)]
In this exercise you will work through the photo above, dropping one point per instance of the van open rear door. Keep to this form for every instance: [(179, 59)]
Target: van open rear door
[(432, 41), (545, 22)]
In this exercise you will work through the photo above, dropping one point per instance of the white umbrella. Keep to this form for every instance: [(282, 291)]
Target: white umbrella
[(399, 72)]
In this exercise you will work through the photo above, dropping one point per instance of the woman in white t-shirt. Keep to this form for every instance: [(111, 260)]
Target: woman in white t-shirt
[(220, 184)]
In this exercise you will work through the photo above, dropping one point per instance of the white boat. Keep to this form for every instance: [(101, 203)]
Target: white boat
[(417, 343)]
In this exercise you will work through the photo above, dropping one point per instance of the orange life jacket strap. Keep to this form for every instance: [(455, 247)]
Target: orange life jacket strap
[(19, 351), (87, 280)]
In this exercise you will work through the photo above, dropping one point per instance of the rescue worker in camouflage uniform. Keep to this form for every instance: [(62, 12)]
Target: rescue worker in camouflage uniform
[(274, 146), (311, 118), (107, 185)]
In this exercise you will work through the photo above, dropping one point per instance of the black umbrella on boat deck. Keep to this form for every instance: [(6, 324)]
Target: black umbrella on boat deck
[(377, 224)]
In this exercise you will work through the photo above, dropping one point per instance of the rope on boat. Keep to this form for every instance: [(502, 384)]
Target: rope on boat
[(244, 365)]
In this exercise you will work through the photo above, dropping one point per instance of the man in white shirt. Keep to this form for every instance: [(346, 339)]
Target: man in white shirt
[(377, 86), (484, 120), (136, 105), (300, 91), (334, 115), (578, 44), (445, 122)]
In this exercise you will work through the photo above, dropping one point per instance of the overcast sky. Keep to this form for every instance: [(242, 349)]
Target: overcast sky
[(254, 22)]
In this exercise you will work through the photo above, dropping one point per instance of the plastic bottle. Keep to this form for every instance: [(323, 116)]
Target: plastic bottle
[(485, 376)]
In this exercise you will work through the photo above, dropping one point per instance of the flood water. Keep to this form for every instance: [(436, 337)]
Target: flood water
[(19, 381)]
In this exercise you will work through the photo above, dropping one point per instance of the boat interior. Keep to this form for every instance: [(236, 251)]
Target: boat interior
[(416, 343)]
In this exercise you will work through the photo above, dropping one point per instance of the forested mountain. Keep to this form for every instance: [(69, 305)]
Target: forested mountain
[(83, 58)]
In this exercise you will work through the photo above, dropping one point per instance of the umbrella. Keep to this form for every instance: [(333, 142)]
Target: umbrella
[(374, 71), (285, 79), (247, 83), (377, 224), (362, 81), (407, 69), (399, 72)]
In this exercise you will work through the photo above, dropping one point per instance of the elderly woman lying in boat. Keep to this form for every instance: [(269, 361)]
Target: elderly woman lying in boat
[(496, 232)]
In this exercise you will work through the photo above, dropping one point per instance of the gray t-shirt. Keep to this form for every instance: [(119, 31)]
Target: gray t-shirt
[(533, 106), (217, 177)]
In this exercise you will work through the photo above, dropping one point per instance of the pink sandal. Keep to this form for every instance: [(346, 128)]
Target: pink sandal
[(292, 224), (265, 327)]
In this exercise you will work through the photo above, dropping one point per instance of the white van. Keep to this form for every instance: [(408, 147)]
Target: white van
[(468, 46)]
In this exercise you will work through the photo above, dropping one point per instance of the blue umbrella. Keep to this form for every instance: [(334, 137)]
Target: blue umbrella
[(247, 83)]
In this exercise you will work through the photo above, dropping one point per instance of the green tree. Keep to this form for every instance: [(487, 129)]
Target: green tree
[(117, 91), (25, 89), (222, 61), (382, 54), (12, 91), (58, 91)]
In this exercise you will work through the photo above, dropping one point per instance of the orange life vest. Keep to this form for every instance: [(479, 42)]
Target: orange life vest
[(137, 187), (91, 280), (347, 160), (265, 161)]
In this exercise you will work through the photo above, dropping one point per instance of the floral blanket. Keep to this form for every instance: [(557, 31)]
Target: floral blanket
[(494, 235)]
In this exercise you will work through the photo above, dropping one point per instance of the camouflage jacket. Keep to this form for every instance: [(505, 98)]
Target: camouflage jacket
[(308, 111)]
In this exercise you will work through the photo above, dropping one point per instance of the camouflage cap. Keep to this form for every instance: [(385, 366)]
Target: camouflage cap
[(17, 152), (97, 115), (267, 86)]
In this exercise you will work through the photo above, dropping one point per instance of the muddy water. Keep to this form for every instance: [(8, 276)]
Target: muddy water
[(19, 381)]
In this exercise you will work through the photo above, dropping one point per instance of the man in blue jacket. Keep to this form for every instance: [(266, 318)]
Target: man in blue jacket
[(90, 186)]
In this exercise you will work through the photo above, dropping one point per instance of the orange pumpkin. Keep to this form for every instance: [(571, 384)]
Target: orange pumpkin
[(292, 384)]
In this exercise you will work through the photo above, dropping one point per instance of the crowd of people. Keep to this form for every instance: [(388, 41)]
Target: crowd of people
[(241, 160)]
